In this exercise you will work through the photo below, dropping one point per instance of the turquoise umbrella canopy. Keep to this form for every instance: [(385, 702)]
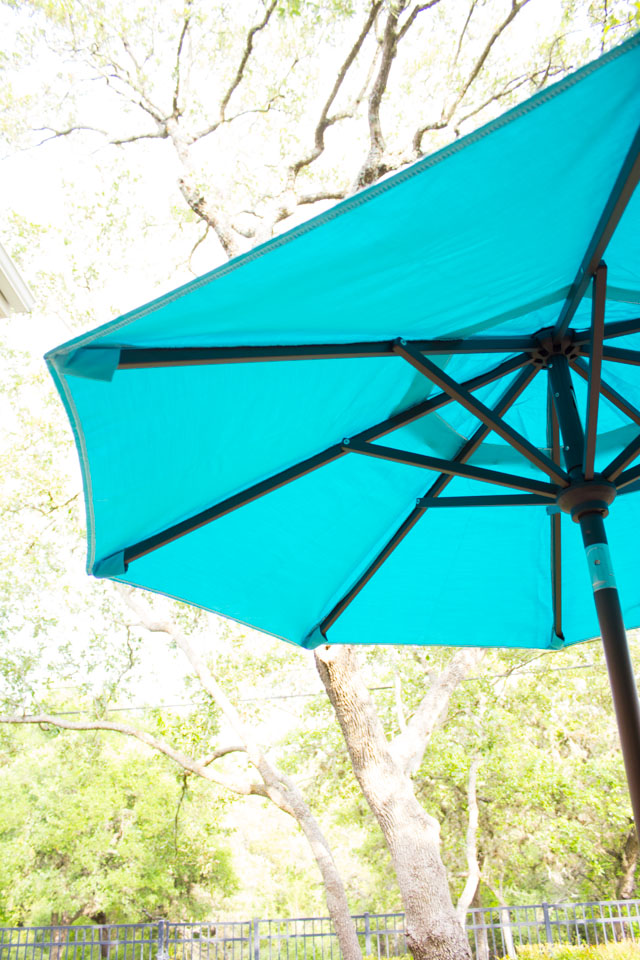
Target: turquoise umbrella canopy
[(319, 438)]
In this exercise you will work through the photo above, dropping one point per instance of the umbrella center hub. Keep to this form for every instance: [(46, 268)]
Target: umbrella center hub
[(587, 496), (550, 347)]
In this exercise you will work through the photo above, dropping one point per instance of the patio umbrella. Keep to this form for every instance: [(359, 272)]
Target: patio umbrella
[(381, 426)]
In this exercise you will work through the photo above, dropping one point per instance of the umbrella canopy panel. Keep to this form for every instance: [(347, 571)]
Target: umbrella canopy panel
[(269, 441)]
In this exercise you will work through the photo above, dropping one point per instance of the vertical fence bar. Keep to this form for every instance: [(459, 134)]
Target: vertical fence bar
[(367, 934), (255, 937), (547, 923)]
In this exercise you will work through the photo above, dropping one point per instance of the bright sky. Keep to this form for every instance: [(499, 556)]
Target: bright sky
[(35, 186)]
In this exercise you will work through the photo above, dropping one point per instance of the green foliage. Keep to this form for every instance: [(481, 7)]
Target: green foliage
[(89, 826), (611, 951), (553, 808)]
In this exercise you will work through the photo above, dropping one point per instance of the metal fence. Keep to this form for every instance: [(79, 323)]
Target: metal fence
[(494, 932)]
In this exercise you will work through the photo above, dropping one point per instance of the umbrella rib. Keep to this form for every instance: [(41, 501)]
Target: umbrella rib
[(334, 452), (467, 450), (481, 411), (555, 520), (629, 476), (620, 328), (143, 358), (595, 369), (508, 500), (614, 208), (624, 458), (134, 358), (618, 355), (607, 391), (453, 467)]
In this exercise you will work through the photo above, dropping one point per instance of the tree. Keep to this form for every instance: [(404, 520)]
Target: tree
[(94, 831), (272, 783), (249, 162), (553, 815), (384, 771)]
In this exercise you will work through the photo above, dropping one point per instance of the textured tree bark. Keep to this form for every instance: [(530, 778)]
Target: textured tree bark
[(628, 861), (473, 875), (413, 836)]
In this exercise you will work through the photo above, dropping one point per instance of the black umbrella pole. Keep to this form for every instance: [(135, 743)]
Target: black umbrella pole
[(616, 650)]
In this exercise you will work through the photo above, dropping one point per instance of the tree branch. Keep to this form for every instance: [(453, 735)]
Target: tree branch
[(65, 133), (161, 134), (222, 752), (516, 7), (155, 743), (272, 778), (512, 85), (325, 121), (463, 32), (183, 34), (447, 114), (419, 8), (372, 168), (245, 58), (320, 195), (194, 197), (135, 86), (473, 867), (192, 138), (409, 746), (285, 210)]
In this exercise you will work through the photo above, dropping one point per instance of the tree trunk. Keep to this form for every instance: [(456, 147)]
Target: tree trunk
[(105, 937), (629, 861), (473, 875), (59, 941), (480, 932), (413, 836), (334, 891)]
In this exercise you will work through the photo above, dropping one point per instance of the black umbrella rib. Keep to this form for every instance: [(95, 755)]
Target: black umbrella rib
[(481, 411), (555, 521), (624, 458), (615, 206), (135, 358), (607, 391), (619, 328), (453, 467), (334, 452), (620, 355), (629, 476), (595, 369), (467, 450), (508, 500)]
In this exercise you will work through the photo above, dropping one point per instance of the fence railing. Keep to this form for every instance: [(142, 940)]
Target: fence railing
[(494, 932)]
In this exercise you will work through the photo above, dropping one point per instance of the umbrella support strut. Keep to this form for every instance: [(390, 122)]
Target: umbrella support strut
[(588, 503)]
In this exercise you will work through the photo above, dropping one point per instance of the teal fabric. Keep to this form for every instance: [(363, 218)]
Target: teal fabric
[(485, 236)]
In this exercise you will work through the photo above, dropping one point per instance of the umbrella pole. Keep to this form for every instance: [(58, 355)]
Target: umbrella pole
[(616, 650), (588, 503)]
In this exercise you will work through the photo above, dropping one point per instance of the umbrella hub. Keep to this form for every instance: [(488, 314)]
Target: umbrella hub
[(587, 496), (551, 345)]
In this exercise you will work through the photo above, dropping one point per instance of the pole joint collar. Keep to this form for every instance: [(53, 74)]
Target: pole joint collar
[(587, 496)]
